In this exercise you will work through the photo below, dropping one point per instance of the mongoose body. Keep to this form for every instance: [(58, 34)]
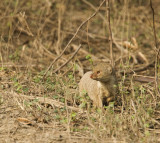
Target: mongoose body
[(99, 84)]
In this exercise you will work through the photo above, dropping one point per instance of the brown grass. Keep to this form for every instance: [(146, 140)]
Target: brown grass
[(34, 33)]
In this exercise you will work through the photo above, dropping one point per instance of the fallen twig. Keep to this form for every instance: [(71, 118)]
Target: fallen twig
[(45, 100), (142, 78)]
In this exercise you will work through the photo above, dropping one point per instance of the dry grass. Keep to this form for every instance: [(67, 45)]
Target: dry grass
[(34, 33)]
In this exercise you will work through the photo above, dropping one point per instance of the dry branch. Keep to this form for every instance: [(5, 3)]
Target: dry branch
[(82, 24), (157, 53), (44, 100), (68, 59), (110, 31), (142, 78)]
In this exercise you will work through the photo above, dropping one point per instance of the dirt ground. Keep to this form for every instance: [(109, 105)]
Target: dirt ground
[(46, 47)]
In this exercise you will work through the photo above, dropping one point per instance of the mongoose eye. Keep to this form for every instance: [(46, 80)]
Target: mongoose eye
[(98, 72)]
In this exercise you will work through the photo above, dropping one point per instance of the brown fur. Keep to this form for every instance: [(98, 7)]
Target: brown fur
[(99, 84)]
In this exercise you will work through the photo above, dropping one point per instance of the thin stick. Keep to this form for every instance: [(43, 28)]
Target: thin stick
[(111, 42), (154, 29), (157, 53), (68, 60), (110, 32), (44, 100), (143, 78), (92, 6), (82, 24)]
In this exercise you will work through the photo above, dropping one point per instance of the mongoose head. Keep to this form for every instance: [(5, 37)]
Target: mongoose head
[(102, 72)]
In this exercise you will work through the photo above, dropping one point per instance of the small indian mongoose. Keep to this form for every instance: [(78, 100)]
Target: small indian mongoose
[(99, 84)]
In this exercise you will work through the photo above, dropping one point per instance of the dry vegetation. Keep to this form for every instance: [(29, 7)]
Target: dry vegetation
[(39, 99)]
